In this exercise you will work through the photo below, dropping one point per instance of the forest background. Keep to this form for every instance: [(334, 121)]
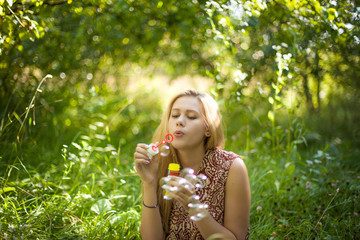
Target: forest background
[(82, 82)]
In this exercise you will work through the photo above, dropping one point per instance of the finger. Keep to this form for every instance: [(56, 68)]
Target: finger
[(142, 153), (142, 161), (186, 195), (176, 180), (141, 149), (139, 156), (182, 184), (142, 145), (175, 195), (183, 196), (180, 197)]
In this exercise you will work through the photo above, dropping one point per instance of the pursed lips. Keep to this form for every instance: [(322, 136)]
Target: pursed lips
[(179, 133)]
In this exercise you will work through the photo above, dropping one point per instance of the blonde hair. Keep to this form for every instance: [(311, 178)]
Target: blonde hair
[(212, 121)]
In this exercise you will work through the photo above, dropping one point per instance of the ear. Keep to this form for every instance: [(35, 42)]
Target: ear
[(207, 130)]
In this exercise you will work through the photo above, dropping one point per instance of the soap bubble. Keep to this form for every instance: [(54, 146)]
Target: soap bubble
[(189, 180), (197, 180), (186, 171), (194, 201), (182, 181), (173, 189), (164, 150), (200, 180), (197, 210), (197, 215), (202, 176), (163, 181), (167, 188), (167, 197)]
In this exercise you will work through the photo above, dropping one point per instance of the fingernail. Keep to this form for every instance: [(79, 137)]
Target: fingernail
[(148, 161)]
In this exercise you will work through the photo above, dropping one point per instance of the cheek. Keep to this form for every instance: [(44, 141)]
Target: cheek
[(199, 128), (171, 123)]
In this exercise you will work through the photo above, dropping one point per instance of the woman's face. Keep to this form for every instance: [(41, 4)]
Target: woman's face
[(186, 123)]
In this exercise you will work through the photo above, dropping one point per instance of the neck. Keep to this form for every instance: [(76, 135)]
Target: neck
[(191, 158)]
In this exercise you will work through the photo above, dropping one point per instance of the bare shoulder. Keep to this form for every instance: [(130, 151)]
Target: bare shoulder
[(238, 199), (238, 169), (238, 179)]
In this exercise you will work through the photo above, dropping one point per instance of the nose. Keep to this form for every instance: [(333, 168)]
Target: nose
[(180, 121)]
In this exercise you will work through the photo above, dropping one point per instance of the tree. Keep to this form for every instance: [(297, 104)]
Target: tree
[(320, 37)]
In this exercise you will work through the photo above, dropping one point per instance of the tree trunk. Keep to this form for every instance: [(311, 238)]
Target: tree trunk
[(309, 102), (317, 76), (318, 93)]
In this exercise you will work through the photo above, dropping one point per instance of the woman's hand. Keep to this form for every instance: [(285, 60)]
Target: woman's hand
[(146, 167), (184, 190)]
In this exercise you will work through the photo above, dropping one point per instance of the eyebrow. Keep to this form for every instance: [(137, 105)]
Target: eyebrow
[(187, 110)]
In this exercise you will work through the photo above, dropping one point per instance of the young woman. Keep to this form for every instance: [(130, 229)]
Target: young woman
[(194, 120)]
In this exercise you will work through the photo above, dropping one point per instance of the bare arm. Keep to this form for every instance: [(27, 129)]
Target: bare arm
[(151, 224), (237, 200), (237, 206)]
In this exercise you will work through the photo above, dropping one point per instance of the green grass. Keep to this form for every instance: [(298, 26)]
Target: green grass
[(78, 181), (316, 199)]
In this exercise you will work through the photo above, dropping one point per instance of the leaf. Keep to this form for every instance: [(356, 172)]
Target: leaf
[(7, 189), (53, 184), (23, 36), (116, 219), (17, 117), (277, 184), (309, 162), (10, 2), (332, 14), (278, 106), (271, 116), (76, 145), (100, 136), (18, 47), (290, 167), (318, 7), (101, 206), (271, 100)]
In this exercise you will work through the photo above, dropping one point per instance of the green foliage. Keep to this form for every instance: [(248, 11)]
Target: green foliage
[(307, 203), (91, 193), (76, 96), (312, 32)]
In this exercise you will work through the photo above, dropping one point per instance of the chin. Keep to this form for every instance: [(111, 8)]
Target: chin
[(177, 146)]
